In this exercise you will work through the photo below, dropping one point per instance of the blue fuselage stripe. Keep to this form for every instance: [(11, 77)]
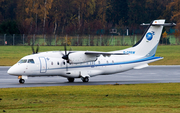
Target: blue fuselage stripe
[(111, 64)]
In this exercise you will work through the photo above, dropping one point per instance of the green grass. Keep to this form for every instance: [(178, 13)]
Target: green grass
[(139, 98), (84, 39), (171, 55), (11, 54)]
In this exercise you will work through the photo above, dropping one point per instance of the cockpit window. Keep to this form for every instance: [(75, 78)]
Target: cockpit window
[(26, 61), (23, 61), (30, 61)]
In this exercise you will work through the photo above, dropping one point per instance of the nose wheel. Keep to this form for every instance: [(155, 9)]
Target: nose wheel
[(21, 81)]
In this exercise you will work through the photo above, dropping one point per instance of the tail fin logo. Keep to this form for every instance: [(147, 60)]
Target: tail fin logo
[(149, 35)]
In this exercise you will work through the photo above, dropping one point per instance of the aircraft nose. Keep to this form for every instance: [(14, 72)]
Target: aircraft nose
[(10, 71), (13, 70)]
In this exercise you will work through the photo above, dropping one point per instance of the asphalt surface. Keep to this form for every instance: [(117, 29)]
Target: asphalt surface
[(151, 74)]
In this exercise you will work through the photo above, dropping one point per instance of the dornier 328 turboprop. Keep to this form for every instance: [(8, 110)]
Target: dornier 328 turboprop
[(86, 64)]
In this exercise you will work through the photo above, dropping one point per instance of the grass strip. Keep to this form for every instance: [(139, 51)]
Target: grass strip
[(132, 98)]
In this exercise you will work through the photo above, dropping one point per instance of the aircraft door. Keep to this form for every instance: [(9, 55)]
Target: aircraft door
[(43, 65)]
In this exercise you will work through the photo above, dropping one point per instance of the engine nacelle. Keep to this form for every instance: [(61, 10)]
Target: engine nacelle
[(81, 57)]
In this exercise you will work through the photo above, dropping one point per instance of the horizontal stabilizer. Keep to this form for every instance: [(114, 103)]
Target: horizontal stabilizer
[(155, 24)]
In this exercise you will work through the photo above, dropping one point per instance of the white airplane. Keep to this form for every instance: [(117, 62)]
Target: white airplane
[(86, 64)]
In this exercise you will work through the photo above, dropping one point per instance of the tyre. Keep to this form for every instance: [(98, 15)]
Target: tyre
[(21, 81), (86, 79), (71, 79)]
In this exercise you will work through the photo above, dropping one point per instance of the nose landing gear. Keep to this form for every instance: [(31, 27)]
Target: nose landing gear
[(21, 81)]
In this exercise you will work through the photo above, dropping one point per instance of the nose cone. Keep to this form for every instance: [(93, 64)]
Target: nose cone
[(14, 70), (11, 71)]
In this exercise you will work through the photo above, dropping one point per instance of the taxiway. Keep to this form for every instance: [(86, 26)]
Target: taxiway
[(151, 74)]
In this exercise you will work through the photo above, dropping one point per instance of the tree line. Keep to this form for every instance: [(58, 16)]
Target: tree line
[(82, 16)]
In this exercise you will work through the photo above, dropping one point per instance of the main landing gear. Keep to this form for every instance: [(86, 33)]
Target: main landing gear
[(71, 79), (21, 81), (85, 79)]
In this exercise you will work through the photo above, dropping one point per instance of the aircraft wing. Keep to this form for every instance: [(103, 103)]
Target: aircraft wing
[(103, 53)]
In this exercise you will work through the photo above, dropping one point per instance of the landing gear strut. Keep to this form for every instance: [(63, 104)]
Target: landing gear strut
[(71, 79), (21, 81), (86, 79)]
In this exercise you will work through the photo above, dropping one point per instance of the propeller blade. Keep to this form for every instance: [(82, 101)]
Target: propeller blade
[(37, 49), (66, 66), (32, 47), (61, 53), (66, 55), (65, 49), (65, 63), (69, 51)]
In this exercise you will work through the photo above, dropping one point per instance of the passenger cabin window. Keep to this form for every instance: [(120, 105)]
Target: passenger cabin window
[(23, 61), (31, 61), (57, 63)]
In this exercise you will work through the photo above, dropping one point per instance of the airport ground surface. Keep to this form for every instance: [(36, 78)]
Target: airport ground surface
[(151, 74)]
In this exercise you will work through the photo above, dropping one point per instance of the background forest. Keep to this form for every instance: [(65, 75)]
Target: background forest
[(82, 16)]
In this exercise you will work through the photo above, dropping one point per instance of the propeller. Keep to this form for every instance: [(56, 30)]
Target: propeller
[(37, 49), (66, 56)]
